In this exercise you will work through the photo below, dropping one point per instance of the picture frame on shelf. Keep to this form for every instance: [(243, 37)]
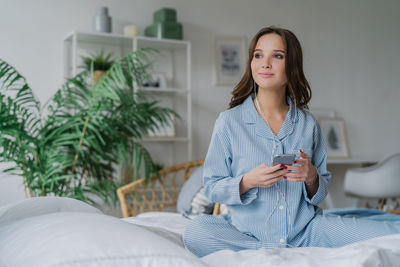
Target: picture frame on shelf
[(156, 80), (334, 132), (229, 59)]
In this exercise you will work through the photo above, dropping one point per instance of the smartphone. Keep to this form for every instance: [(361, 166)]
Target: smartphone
[(285, 159)]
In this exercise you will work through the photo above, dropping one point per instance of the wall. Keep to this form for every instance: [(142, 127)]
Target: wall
[(350, 55)]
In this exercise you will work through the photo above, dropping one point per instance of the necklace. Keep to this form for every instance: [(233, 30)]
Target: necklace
[(266, 120)]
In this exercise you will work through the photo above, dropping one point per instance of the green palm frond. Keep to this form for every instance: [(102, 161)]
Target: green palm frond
[(19, 120), (18, 98)]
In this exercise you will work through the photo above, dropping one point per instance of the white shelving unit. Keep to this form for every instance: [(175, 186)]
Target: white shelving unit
[(173, 59), (352, 161)]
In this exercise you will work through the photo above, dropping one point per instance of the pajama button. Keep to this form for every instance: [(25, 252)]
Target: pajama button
[(281, 207), (282, 240)]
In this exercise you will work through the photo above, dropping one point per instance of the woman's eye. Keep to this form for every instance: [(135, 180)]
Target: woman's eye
[(279, 56), (257, 56)]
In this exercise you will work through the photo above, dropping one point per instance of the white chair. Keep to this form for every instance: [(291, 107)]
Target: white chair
[(380, 182)]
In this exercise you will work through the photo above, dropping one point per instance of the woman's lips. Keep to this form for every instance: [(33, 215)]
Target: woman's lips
[(266, 74)]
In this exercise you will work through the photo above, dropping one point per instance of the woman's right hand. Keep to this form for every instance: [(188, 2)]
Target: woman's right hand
[(262, 176)]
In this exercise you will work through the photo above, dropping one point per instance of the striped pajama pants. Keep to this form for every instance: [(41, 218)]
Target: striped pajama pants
[(207, 234)]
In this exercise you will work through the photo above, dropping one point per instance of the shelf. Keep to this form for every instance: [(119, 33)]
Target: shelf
[(160, 44), (122, 40), (351, 161), (100, 38), (165, 139)]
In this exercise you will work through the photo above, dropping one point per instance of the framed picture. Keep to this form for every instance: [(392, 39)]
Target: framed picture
[(156, 80), (229, 59), (334, 132)]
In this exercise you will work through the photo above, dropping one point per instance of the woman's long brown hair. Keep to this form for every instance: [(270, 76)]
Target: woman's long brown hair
[(297, 88)]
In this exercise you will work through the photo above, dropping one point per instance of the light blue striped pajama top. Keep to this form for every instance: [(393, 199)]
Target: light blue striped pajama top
[(276, 216), (240, 142)]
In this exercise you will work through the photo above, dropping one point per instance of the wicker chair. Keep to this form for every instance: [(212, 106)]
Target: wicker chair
[(156, 194)]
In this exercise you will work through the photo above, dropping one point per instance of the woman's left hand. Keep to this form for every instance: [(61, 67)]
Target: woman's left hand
[(304, 171)]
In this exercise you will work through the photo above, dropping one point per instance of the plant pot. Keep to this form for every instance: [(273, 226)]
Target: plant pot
[(97, 74)]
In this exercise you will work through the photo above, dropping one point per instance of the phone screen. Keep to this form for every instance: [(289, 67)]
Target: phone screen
[(286, 159)]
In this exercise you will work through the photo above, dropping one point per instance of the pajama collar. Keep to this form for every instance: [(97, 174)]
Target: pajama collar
[(250, 115)]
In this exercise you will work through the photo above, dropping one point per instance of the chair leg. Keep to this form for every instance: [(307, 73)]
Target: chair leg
[(216, 209)]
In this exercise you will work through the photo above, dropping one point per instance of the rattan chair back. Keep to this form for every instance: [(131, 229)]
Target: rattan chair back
[(156, 194)]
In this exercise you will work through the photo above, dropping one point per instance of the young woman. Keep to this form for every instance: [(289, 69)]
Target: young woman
[(271, 206)]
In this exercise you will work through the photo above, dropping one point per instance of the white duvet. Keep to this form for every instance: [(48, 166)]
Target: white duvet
[(382, 251), (65, 232)]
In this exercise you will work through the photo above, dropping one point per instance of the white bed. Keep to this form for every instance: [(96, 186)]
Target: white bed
[(66, 232), (384, 251)]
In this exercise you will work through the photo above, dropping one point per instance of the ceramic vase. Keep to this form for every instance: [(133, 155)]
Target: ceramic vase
[(102, 21)]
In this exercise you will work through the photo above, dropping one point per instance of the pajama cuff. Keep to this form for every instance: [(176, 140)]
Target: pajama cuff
[(316, 199), (247, 197), (227, 191)]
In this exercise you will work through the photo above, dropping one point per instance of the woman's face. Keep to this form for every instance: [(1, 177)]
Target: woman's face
[(268, 63)]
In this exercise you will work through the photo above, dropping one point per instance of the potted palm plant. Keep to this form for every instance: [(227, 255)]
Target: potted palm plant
[(100, 62), (72, 145)]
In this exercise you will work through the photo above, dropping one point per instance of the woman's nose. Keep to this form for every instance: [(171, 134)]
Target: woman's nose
[(266, 62)]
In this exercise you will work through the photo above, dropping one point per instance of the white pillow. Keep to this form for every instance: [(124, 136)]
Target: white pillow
[(86, 239), (191, 199), (37, 206), (189, 191), (201, 204)]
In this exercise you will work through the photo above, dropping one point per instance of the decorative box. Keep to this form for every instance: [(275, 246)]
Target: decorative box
[(166, 29), (164, 14)]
